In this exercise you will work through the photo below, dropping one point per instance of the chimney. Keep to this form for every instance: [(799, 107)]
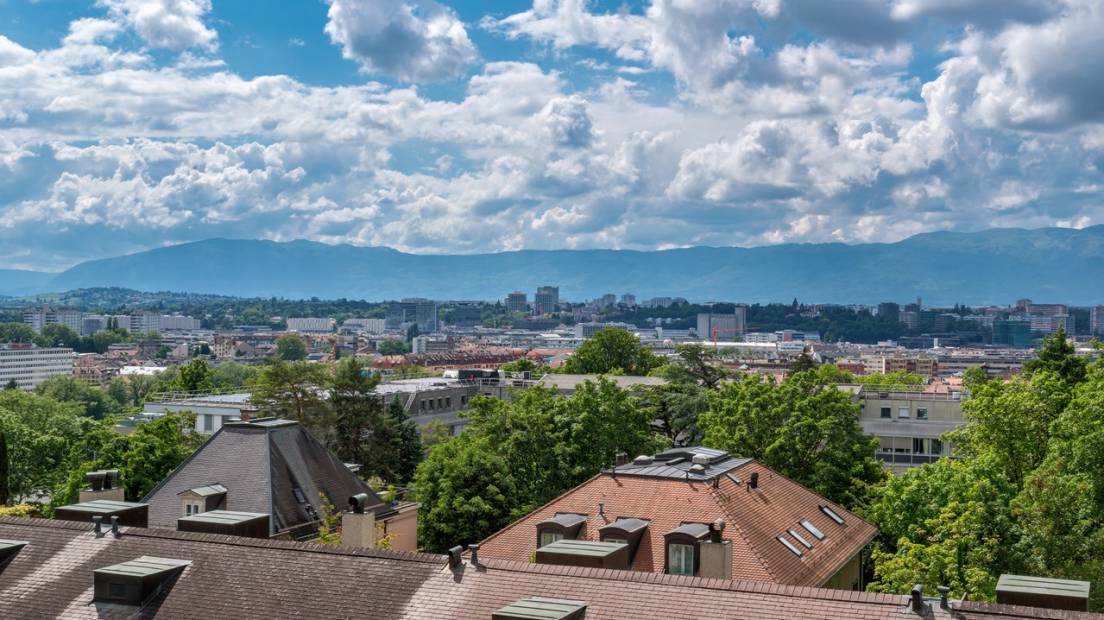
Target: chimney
[(103, 484), (753, 482), (115, 526), (716, 553), (474, 549), (621, 458), (98, 521), (455, 556), (358, 526), (944, 591), (916, 599)]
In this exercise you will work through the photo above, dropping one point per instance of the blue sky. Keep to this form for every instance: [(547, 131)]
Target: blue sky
[(437, 126)]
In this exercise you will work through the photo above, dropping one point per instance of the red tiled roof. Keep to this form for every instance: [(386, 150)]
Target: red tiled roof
[(232, 577), (753, 521)]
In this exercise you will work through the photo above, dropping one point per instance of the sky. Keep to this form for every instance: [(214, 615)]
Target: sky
[(479, 126)]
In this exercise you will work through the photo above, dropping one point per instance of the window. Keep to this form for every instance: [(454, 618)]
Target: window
[(887, 412), (921, 413), (814, 530), (192, 507), (903, 412), (615, 540), (448, 402), (918, 446), (680, 559), (832, 514), (804, 543), (547, 538), (208, 422), (936, 447), (789, 545)]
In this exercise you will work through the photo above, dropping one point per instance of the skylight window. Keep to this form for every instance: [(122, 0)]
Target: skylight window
[(798, 538), (789, 545), (814, 530), (832, 514)]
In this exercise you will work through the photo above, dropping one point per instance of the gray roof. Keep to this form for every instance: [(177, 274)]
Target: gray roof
[(572, 382), (267, 466), (678, 463), (205, 491)]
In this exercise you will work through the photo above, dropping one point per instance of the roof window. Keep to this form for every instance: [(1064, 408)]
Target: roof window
[(804, 543), (8, 550), (832, 514), (789, 545), (814, 530)]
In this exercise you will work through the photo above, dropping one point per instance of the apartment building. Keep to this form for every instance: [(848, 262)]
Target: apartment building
[(517, 302), (546, 299), (1096, 321), (909, 424), (29, 365), (308, 325), (370, 326)]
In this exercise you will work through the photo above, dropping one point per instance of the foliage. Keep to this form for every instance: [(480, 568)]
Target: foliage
[(291, 348), (890, 380), (20, 510), (536, 371), (393, 347), (329, 530), (362, 433), (434, 433), (695, 364), (11, 385), (40, 432), (16, 332), (232, 376), (515, 456), (1058, 355), (804, 430), (675, 408), (5, 490), (803, 363), (408, 441), (612, 351), (94, 402), (295, 391)]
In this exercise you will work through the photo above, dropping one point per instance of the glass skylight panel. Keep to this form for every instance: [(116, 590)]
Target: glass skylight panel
[(789, 545), (814, 530), (832, 514), (798, 538)]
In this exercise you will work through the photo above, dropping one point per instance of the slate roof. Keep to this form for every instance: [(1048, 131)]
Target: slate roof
[(231, 577), (754, 520), (270, 466)]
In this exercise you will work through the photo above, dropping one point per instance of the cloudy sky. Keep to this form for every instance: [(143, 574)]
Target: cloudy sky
[(474, 126)]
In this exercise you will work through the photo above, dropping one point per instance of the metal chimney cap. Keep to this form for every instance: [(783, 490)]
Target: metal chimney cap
[(643, 459), (358, 502)]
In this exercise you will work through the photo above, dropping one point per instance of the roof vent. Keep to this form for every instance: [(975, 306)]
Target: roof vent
[(643, 459), (137, 581), (701, 459), (1043, 592), (8, 550), (753, 482), (621, 458), (358, 502), (697, 468)]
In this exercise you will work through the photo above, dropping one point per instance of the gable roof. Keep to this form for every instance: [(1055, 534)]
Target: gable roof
[(754, 520), (268, 466), (232, 577)]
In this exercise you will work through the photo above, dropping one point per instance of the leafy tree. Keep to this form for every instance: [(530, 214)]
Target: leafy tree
[(295, 391), (5, 489), (11, 385), (675, 408), (806, 431), (16, 332), (329, 530), (1058, 355), (974, 377), (535, 370), (803, 363), (466, 491), (408, 440), (195, 376), (362, 433), (393, 347), (433, 434), (612, 351), (696, 364), (232, 375), (57, 335), (886, 381), (291, 348), (39, 433), (94, 402)]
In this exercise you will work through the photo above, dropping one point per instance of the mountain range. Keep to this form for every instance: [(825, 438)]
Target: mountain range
[(992, 266)]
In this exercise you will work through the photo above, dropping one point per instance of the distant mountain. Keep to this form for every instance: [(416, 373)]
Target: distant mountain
[(993, 266), (17, 282)]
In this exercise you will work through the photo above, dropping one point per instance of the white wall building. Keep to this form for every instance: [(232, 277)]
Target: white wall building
[(29, 365), (310, 324), (371, 326)]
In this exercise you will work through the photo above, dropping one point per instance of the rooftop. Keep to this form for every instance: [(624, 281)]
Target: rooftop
[(679, 463), (52, 577)]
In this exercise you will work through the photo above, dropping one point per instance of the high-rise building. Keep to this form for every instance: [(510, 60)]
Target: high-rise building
[(889, 310), (371, 326), (911, 318), (1096, 320), (38, 319), (416, 311), (546, 299), (29, 365), (628, 299), (149, 322), (723, 327), (606, 300), (517, 302)]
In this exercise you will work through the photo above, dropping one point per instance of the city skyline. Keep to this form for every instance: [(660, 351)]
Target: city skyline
[(568, 124)]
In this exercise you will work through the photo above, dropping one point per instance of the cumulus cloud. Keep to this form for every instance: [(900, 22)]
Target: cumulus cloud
[(406, 40), (168, 24)]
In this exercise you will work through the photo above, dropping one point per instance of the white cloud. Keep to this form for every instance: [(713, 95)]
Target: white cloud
[(168, 24), (409, 41)]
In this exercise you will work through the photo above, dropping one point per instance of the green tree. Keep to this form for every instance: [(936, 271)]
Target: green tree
[(291, 348), (40, 432), (433, 434), (94, 402), (362, 433), (393, 347), (886, 381), (195, 376), (5, 489), (675, 408), (804, 430), (696, 364), (295, 391), (11, 385), (1058, 355), (974, 377), (408, 440), (803, 363), (16, 332), (612, 351), (329, 530), (232, 375), (57, 335)]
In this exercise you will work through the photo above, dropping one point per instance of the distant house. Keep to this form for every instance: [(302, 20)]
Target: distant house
[(694, 511), (268, 466)]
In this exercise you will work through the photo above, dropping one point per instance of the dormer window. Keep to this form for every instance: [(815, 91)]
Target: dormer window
[(683, 545), (563, 525), (625, 530), (202, 499)]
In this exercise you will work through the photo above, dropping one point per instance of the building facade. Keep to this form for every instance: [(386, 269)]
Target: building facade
[(723, 327), (546, 299), (310, 325), (28, 365), (909, 425), (517, 303)]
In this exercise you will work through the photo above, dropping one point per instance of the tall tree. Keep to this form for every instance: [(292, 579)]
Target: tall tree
[(291, 348), (362, 433), (295, 391), (697, 364), (40, 432), (94, 402), (5, 489), (675, 408), (1058, 355), (805, 430), (408, 440), (612, 351)]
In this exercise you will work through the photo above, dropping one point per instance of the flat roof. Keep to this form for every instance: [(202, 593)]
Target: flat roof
[(224, 517), (144, 566), (1043, 585), (583, 547), (102, 505), (540, 608)]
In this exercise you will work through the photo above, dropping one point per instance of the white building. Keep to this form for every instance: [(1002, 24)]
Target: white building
[(310, 324), (149, 322), (29, 365), (212, 410), (371, 326)]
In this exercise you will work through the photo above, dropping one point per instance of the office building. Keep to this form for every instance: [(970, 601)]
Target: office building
[(310, 325), (149, 322), (414, 311), (628, 299), (911, 318), (909, 425), (723, 327), (29, 365), (369, 326), (517, 303), (889, 310), (546, 299), (40, 318), (1096, 320)]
